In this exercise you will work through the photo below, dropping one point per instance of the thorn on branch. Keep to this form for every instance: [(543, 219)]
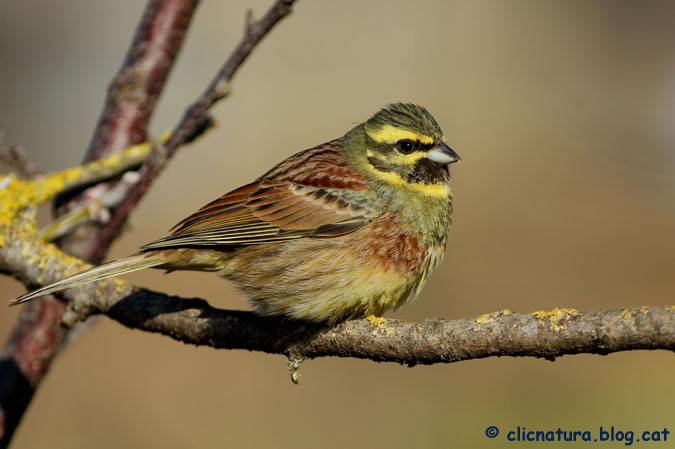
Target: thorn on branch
[(248, 21)]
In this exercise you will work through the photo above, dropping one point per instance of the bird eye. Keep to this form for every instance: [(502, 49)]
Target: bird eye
[(405, 146)]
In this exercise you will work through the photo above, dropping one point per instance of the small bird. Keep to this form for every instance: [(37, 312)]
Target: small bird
[(347, 229)]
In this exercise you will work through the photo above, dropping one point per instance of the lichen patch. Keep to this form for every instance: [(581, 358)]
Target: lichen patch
[(557, 318)]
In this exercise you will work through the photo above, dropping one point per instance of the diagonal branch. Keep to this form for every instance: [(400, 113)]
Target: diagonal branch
[(134, 91), (132, 96), (16, 157), (17, 194), (195, 116), (37, 334)]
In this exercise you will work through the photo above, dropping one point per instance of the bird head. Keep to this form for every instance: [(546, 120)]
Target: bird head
[(402, 145)]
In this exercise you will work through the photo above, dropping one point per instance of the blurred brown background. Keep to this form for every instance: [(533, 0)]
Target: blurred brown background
[(563, 113)]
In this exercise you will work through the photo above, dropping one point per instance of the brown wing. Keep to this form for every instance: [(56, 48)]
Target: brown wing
[(309, 194)]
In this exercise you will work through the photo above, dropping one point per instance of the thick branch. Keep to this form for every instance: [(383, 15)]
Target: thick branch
[(431, 341), (135, 89), (539, 334), (131, 99), (132, 96)]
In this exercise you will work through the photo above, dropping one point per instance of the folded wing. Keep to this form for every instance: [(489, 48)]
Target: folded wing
[(312, 194)]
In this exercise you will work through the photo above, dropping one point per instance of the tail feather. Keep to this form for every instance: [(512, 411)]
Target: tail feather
[(108, 270)]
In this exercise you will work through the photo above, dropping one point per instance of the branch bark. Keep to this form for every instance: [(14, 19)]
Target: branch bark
[(134, 91), (544, 334), (131, 99), (196, 116), (431, 341), (16, 157)]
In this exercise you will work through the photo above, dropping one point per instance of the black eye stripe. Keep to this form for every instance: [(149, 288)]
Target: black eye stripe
[(407, 146)]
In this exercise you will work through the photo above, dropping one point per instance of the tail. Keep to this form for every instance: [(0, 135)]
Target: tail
[(108, 270)]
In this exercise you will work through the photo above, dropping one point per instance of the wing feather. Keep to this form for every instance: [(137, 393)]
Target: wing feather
[(307, 195)]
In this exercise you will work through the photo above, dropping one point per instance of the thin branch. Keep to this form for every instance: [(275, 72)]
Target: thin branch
[(16, 195), (17, 158), (196, 115), (95, 209)]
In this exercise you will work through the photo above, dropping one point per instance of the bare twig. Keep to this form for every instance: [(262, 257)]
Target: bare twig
[(197, 114), (95, 209), (17, 158)]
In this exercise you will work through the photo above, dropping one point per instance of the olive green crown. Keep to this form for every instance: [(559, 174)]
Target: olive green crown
[(407, 116)]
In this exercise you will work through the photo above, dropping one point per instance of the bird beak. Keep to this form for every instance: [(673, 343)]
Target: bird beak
[(443, 154)]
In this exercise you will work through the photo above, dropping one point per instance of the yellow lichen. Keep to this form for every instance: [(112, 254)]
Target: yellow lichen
[(670, 308), (17, 212), (557, 318), (16, 194), (485, 318), (626, 314), (378, 322), (489, 317), (120, 285)]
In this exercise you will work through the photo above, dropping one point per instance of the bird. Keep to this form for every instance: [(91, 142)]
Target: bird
[(348, 229)]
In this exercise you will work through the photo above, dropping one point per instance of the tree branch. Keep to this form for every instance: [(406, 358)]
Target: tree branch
[(134, 91), (539, 334), (196, 115), (431, 341), (16, 157), (132, 95), (17, 194), (96, 208)]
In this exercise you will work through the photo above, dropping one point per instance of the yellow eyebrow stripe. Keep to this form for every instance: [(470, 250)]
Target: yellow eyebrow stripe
[(436, 190), (391, 134), (398, 158)]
